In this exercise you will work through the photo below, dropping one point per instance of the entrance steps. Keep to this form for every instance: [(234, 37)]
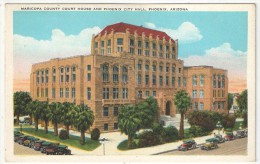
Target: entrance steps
[(173, 121)]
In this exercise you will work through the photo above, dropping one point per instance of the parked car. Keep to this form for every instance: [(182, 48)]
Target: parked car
[(229, 136), (187, 144), (17, 135), (45, 144), (211, 143), (37, 144), (220, 138), (28, 141), (241, 134), (63, 149), (52, 149), (21, 139)]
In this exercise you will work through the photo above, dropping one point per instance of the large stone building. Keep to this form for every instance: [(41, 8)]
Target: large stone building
[(127, 64)]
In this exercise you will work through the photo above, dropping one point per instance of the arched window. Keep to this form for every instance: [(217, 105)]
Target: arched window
[(124, 75), (105, 73), (115, 74), (53, 75)]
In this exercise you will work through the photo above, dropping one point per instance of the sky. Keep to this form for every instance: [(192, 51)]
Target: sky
[(205, 38)]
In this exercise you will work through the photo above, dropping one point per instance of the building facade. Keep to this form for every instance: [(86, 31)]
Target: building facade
[(127, 64)]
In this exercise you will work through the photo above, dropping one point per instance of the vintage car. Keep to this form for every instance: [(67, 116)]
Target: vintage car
[(17, 135), (220, 138), (46, 144), (241, 133), (21, 139), (52, 149), (211, 143), (187, 144), (63, 149), (28, 141), (229, 136), (37, 144)]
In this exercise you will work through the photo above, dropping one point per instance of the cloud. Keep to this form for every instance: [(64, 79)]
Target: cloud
[(187, 32), (224, 57), (28, 50)]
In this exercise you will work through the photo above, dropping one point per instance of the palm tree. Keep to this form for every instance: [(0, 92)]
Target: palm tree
[(56, 115), (129, 121), (153, 106), (68, 111), (21, 99), (182, 101), (46, 114), (36, 110), (83, 119)]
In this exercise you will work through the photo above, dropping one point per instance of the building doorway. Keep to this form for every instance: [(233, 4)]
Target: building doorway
[(168, 108)]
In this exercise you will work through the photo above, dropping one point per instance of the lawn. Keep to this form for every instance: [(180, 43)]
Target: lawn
[(72, 141), (122, 145)]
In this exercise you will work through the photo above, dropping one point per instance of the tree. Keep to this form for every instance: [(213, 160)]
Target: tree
[(35, 108), (68, 111), (145, 114), (56, 115), (230, 101), (129, 122), (83, 119), (45, 114), (182, 101), (153, 106), (21, 99), (242, 104)]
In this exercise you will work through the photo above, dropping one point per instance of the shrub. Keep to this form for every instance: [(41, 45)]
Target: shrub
[(157, 128), (229, 121), (63, 134), (197, 131), (170, 134), (148, 138), (95, 134)]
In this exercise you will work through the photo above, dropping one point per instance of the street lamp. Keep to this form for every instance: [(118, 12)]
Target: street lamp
[(21, 127), (219, 126), (103, 141)]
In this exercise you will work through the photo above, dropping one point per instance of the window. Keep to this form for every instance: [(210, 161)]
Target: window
[(146, 44), (131, 46), (89, 76), (73, 93), (125, 76), (89, 93), (139, 94), (173, 81), (201, 105), (219, 93), (115, 126), (139, 51), (67, 93), (105, 111), (61, 92), (173, 56), (167, 56), (89, 67), (161, 80), (42, 92), (146, 79), (167, 69), (139, 43), (214, 81), (202, 80), (131, 50), (38, 92), (105, 73), (53, 79), (46, 79), (119, 41), (96, 45), (219, 81), (105, 127), (73, 77), (115, 74), (53, 93), (161, 47), (147, 67), (119, 49), (184, 81), (109, 42), (154, 53), (132, 42), (173, 49), (195, 105), (154, 80), (105, 93), (154, 46), (61, 70), (115, 93), (139, 79), (147, 93), (139, 66), (108, 50), (102, 43), (160, 68), (154, 68), (61, 78), (67, 78), (194, 93), (125, 93), (201, 94), (223, 81), (67, 69), (53, 71), (173, 69), (147, 53), (194, 80), (115, 111), (42, 79), (222, 104), (37, 80), (46, 92), (179, 70), (154, 93), (179, 81), (218, 105), (167, 80)]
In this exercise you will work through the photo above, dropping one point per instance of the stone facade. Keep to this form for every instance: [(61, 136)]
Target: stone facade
[(127, 64)]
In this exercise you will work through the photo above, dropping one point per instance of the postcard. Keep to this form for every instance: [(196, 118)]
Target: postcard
[(130, 82)]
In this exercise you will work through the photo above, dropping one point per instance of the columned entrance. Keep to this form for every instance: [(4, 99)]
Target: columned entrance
[(168, 108)]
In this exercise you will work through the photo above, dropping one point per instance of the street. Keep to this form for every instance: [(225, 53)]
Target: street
[(235, 147), (23, 150)]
